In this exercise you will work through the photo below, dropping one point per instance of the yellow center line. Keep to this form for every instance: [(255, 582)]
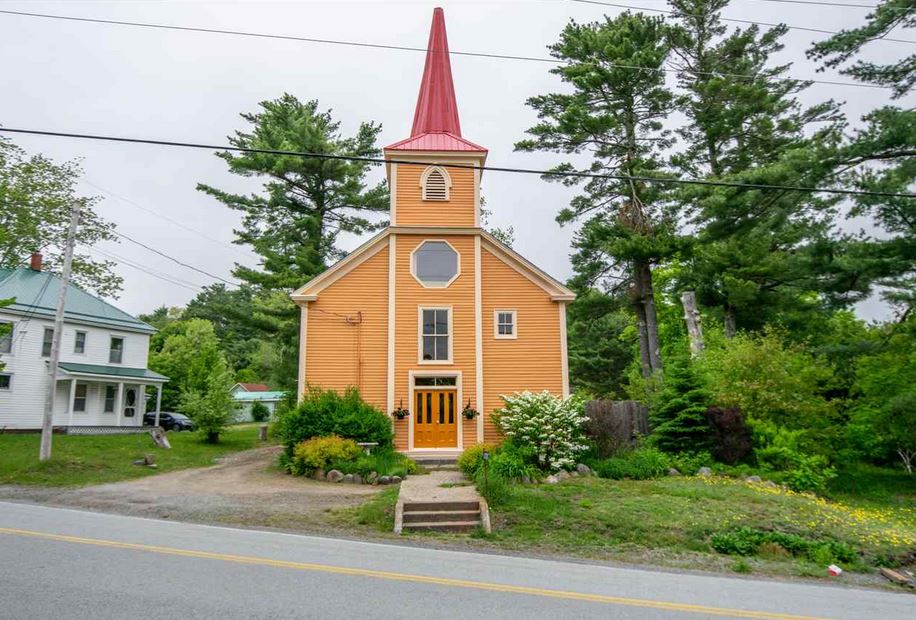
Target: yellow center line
[(406, 577)]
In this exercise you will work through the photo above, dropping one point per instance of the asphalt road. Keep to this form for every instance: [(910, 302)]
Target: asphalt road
[(61, 563)]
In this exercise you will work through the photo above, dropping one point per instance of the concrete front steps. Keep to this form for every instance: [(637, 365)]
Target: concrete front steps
[(442, 516), (442, 500)]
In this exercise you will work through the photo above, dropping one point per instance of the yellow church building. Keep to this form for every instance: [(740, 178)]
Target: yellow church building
[(434, 315)]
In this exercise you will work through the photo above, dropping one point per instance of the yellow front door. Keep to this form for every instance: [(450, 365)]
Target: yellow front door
[(435, 419)]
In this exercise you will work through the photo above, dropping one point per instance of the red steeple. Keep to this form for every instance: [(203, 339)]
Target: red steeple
[(435, 122), (437, 109)]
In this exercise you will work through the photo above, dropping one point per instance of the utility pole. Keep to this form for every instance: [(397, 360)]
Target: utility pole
[(692, 317), (47, 422)]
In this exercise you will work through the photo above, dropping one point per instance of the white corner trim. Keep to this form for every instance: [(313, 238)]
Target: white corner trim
[(476, 197), (451, 335), (564, 356), (413, 267), (496, 334), (303, 342), (478, 336), (392, 283), (393, 192)]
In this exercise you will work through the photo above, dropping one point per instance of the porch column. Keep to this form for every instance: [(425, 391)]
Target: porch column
[(158, 402), (119, 407), (70, 402)]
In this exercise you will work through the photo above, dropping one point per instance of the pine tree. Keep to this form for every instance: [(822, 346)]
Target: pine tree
[(306, 204), (678, 418), (614, 117)]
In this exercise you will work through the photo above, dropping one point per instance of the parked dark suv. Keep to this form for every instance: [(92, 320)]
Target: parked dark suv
[(169, 421)]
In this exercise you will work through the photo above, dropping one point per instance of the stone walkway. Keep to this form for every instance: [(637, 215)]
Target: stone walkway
[(441, 500)]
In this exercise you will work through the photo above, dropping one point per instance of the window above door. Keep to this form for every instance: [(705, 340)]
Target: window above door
[(435, 335), (435, 264)]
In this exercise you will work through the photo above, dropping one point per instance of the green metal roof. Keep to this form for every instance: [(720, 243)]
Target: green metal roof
[(112, 371), (252, 396), (36, 294)]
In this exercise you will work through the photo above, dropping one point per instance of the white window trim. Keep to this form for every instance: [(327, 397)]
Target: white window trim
[(10, 375), (413, 264), (85, 398), (43, 332), (496, 334), (114, 399), (123, 347), (411, 389), (448, 183), (451, 338), (85, 341)]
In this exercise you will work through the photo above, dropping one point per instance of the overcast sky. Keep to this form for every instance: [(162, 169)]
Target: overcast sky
[(169, 85)]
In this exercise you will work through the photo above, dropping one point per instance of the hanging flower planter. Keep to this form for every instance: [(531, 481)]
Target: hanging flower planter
[(469, 412), (400, 413)]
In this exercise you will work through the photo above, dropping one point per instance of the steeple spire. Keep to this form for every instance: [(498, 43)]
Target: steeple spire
[(437, 109)]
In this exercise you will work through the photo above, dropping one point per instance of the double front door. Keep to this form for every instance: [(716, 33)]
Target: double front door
[(435, 418)]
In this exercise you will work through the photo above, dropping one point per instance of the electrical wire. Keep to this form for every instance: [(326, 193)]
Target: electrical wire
[(127, 263), (379, 160), (554, 61), (173, 259), (734, 20)]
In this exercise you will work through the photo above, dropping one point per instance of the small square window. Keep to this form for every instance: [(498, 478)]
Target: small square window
[(79, 343), (46, 342), (6, 336), (504, 324), (116, 351), (6, 381)]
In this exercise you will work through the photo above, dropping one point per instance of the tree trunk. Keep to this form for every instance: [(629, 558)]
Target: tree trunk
[(640, 310), (730, 328), (642, 278), (692, 318)]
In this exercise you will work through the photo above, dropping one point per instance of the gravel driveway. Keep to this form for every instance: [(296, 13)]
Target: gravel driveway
[(243, 489)]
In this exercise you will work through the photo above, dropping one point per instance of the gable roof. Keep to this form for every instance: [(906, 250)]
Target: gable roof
[(556, 289), (252, 387), (246, 397), (36, 294)]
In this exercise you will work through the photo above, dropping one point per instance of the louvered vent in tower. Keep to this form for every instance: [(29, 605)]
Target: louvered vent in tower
[(435, 185)]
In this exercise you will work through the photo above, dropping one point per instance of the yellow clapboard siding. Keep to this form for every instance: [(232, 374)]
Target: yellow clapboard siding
[(333, 342), (532, 361), (412, 210)]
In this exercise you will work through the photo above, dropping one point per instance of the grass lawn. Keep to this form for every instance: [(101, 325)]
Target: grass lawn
[(672, 522), (78, 460)]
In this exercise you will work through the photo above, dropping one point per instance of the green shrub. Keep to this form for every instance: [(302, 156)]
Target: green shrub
[(495, 489), (259, 411), (318, 452), (383, 461), (746, 541), (552, 426), (643, 463), (802, 472), (678, 418), (326, 412), (513, 462), (471, 460), (689, 462)]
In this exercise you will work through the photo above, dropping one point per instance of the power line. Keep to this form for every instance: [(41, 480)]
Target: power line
[(379, 160), (734, 20), (843, 4), (127, 263), (173, 259), (553, 61), (168, 219)]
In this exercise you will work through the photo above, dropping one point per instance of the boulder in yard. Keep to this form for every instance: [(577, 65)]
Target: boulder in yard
[(395, 480), (348, 478), (583, 469), (753, 479), (334, 476), (357, 479), (384, 479), (673, 472), (562, 474), (551, 479), (372, 478), (704, 471)]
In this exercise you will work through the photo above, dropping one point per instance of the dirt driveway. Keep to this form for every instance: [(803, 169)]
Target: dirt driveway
[(244, 489)]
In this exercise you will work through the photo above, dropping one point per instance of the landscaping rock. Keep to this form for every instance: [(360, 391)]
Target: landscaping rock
[(704, 471), (526, 480), (584, 469), (357, 479), (384, 480), (754, 479), (551, 479), (348, 478), (562, 474), (334, 476), (372, 478), (395, 480), (574, 473), (673, 472)]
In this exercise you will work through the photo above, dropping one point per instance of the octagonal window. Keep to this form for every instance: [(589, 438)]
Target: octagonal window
[(435, 263)]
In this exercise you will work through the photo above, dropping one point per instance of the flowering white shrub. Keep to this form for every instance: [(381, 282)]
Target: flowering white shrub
[(551, 425)]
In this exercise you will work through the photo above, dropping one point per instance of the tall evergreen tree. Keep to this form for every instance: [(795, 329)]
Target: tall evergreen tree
[(758, 253), (307, 202), (613, 117)]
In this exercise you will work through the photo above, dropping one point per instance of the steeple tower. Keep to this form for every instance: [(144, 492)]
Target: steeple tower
[(437, 109)]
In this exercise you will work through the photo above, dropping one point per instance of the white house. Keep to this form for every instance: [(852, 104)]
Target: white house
[(102, 379), (246, 394)]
